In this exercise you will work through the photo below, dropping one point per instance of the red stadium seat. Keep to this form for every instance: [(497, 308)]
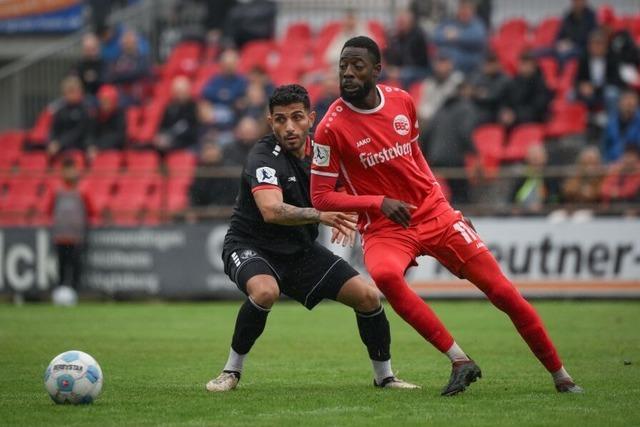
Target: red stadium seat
[(76, 155), (107, 162), (508, 50), (33, 163), (184, 60), (39, 133), (521, 138), (257, 53), (181, 163), (11, 142), (567, 119), (141, 161), (489, 142), (514, 28), (297, 31), (152, 116), (549, 69), (545, 33), (378, 33)]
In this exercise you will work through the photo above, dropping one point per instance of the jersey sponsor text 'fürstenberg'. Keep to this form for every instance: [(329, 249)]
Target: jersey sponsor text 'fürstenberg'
[(371, 159)]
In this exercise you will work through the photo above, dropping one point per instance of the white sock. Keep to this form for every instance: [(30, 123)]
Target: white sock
[(235, 361), (455, 353), (560, 374), (381, 370)]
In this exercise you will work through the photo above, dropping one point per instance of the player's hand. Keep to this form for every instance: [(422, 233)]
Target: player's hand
[(340, 238), (342, 221), (397, 211)]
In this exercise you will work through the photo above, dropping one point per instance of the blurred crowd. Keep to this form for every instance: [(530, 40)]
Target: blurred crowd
[(447, 60)]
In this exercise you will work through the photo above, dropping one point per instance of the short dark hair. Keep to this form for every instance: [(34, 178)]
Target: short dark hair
[(365, 43), (289, 94)]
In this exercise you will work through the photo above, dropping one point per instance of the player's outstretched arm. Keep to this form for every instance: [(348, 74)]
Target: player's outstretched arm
[(275, 211), (325, 197)]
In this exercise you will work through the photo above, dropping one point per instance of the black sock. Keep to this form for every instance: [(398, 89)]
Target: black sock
[(249, 326), (375, 333)]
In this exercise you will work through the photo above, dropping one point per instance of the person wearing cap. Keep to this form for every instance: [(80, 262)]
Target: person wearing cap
[(489, 87), (573, 35), (622, 48), (108, 128)]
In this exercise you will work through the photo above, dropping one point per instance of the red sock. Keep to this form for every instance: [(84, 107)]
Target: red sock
[(387, 271), (484, 272)]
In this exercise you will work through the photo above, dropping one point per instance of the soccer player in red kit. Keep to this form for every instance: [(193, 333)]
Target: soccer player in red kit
[(368, 140)]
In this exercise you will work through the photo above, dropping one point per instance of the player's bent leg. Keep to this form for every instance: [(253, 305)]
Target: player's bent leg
[(374, 330), (484, 272), (387, 271)]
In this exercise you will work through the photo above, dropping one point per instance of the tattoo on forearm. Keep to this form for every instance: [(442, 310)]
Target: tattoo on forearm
[(292, 215)]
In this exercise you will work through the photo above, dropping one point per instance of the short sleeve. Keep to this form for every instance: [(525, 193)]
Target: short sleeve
[(262, 171), (325, 154)]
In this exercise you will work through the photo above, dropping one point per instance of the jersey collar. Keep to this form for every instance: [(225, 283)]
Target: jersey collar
[(373, 110)]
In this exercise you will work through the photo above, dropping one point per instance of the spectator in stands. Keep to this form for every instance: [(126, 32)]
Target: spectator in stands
[(490, 86), (533, 190), (435, 90), (527, 97), (584, 186), (407, 49), (255, 102), (463, 37), (247, 132), (70, 126), (622, 47), (447, 138), (598, 81), (207, 189), (111, 42), (179, 126), (622, 183), (623, 127), (573, 34), (90, 69), (251, 20), (351, 27), (258, 75), (108, 129), (71, 210), (329, 93), (226, 90), (129, 69)]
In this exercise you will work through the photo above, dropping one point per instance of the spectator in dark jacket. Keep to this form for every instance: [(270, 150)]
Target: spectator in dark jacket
[(447, 138), (621, 44), (463, 38), (490, 85), (598, 80), (208, 189), (71, 119), (623, 127), (109, 128), (574, 30), (406, 53), (179, 126), (91, 67), (527, 97), (247, 132)]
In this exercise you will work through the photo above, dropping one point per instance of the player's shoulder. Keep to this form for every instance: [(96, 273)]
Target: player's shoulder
[(332, 120), (395, 93), (266, 148)]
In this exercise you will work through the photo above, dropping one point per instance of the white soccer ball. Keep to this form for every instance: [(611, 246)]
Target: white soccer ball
[(64, 296), (73, 377)]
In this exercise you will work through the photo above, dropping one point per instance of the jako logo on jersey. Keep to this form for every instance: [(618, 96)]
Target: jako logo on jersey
[(362, 142), (371, 159), (401, 125), (321, 154), (266, 175)]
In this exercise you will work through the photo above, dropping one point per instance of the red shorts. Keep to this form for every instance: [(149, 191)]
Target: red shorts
[(446, 237)]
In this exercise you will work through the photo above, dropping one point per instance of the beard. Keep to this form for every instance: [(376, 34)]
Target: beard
[(359, 94)]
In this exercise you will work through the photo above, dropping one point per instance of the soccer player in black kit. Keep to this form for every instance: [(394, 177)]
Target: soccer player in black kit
[(271, 246)]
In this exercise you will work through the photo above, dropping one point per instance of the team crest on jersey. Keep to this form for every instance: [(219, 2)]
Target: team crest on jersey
[(401, 124), (321, 155), (266, 175)]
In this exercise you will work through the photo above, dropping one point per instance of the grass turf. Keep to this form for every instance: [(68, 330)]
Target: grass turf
[(311, 369)]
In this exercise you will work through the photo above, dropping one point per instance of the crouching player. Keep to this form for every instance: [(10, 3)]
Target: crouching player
[(270, 246)]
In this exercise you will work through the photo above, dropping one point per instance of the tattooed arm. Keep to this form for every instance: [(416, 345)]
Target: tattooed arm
[(275, 211)]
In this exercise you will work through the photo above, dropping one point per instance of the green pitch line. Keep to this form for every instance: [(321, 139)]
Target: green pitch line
[(311, 369)]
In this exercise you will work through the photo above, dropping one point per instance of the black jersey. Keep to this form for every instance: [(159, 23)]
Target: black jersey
[(269, 165)]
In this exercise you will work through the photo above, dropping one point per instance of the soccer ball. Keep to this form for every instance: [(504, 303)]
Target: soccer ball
[(73, 377), (64, 296)]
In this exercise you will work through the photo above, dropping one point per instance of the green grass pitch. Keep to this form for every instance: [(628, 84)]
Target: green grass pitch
[(310, 369)]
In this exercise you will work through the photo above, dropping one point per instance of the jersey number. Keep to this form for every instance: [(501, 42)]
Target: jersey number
[(467, 232)]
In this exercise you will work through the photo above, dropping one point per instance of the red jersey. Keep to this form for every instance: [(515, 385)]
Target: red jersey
[(373, 153)]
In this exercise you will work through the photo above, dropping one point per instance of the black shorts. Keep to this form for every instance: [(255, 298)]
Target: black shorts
[(308, 276)]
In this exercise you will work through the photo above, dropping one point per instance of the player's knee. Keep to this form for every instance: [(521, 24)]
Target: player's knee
[(265, 295), (384, 276), (368, 301), (504, 297)]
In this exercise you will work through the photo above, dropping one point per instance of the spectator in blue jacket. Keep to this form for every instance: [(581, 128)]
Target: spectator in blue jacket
[(623, 127), (463, 38), (226, 91)]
